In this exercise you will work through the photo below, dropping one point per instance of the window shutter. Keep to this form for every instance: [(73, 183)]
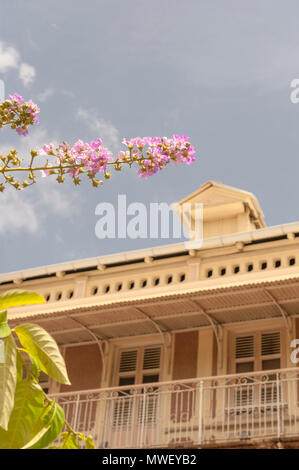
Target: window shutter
[(128, 361), (270, 343), (151, 358), (244, 347)]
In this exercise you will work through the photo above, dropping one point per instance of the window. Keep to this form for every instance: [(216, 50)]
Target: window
[(257, 351), (138, 365), (134, 366), (261, 350)]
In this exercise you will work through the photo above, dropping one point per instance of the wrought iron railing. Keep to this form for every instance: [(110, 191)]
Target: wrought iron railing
[(196, 412)]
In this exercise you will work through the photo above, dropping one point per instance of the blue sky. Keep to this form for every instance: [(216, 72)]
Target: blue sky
[(217, 71)]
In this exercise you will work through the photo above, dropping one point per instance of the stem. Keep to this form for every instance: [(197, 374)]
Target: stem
[(58, 167)]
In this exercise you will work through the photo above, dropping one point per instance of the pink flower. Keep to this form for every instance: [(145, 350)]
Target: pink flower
[(21, 131), (16, 97)]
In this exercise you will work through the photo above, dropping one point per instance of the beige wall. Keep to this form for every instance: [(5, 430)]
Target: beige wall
[(84, 366), (185, 355)]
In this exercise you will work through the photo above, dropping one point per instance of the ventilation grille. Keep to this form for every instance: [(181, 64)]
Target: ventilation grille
[(270, 343), (128, 361), (244, 347), (151, 359)]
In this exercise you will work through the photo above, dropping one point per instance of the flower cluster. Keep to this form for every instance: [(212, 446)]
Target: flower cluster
[(160, 151), (18, 113), (150, 154), (82, 157)]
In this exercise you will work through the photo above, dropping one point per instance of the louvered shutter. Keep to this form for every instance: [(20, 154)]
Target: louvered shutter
[(148, 406), (135, 366), (270, 346), (244, 357), (244, 347), (128, 361), (127, 369), (270, 343), (248, 357), (151, 358)]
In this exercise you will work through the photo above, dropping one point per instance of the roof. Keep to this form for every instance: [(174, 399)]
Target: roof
[(188, 308), (216, 195)]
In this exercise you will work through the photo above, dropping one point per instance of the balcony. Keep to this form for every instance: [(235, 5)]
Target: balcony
[(237, 409)]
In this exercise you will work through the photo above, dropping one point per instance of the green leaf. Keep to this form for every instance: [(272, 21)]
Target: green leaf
[(25, 420), (19, 367), (4, 328), (69, 441), (89, 443), (35, 367), (50, 433), (16, 297), (8, 378), (42, 425), (87, 440), (39, 344)]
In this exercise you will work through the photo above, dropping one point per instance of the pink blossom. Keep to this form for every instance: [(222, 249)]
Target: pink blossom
[(21, 131)]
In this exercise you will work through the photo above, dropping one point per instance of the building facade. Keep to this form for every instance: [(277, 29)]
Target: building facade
[(180, 345)]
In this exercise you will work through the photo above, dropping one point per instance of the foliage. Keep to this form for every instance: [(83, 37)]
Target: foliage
[(91, 159), (29, 419)]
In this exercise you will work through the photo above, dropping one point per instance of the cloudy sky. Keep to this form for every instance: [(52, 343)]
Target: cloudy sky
[(217, 71)]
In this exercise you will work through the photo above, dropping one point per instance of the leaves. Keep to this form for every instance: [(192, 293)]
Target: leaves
[(8, 377), (69, 440), (40, 345), (17, 297), (4, 328), (35, 367), (49, 433), (19, 367), (25, 420), (89, 443)]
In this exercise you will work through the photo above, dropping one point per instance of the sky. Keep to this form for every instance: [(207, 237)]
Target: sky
[(219, 72)]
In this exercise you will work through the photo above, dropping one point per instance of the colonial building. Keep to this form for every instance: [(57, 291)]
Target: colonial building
[(180, 346)]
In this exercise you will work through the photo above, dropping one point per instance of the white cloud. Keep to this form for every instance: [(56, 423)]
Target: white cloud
[(53, 198), (44, 95), (9, 57), (27, 74), (28, 209), (102, 128), (17, 213)]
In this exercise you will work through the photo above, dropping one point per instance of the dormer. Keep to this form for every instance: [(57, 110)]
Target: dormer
[(226, 210)]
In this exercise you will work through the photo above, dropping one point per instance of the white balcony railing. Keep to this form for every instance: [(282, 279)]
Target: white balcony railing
[(195, 412)]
